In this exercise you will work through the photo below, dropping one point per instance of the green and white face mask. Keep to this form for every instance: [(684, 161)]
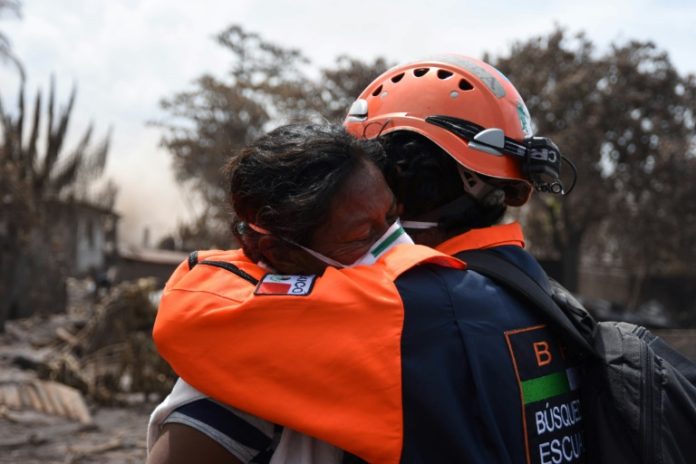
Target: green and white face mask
[(393, 236)]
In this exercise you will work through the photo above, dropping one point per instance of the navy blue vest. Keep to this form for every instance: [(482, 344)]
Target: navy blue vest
[(484, 379)]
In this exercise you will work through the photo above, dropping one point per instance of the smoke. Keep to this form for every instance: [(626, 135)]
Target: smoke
[(149, 197)]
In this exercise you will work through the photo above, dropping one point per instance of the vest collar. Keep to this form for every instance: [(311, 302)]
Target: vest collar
[(487, 237)]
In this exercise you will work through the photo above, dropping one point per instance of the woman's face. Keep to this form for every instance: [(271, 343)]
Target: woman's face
[(361, 212)]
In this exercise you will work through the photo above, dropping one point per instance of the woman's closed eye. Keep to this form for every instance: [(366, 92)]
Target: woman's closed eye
[(373, 234)]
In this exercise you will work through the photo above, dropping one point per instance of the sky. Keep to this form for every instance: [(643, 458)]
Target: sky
[(126, 55)]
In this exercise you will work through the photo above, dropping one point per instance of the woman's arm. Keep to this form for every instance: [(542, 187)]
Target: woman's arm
[(181, 444)]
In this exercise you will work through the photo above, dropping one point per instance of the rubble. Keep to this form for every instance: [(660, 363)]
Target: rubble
[(50, 398), (106, 353), (117, 436), (79, 386)]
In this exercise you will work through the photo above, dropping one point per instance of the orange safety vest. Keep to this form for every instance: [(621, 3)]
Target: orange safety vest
[(327, 364), (484, 238)]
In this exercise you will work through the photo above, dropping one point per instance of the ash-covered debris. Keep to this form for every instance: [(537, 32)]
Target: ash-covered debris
[(78, 386), (23, 400), (104, 350)]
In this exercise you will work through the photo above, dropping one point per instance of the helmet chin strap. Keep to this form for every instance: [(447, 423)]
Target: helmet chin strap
[(431, 219), (419, 225)]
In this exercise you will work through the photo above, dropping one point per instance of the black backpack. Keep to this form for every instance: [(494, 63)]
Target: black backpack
[(638, 393)]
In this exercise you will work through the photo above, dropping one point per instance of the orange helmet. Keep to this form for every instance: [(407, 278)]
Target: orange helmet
[(465, 106)]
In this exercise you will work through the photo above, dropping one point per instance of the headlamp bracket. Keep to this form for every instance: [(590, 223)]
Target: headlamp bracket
[(542, 165), (540, 158)]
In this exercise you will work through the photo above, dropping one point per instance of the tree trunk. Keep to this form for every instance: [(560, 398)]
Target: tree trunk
[(4, 293), (9, 250), (8, 285), (636, 286), (570, 264)]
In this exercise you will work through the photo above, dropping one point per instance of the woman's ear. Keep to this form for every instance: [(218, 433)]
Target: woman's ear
[(286, 258)]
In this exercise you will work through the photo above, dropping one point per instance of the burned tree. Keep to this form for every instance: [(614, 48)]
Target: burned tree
[(37, 173)]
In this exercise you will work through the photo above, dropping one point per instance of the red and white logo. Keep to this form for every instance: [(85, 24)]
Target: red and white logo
[(275, 284)]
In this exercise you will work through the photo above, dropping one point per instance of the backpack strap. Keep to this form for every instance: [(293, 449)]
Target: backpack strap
[(511, 276)]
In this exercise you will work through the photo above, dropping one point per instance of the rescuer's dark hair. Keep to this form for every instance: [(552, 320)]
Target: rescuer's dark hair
[(424, 177)]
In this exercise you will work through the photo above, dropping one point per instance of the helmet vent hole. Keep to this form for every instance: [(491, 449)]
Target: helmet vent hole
[(465, 85), (397, 78), (442, 74), (420, 72), (377, 91)]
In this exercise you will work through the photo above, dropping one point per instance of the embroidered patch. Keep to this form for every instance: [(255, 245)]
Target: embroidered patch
[(551, 413), (276, 284)]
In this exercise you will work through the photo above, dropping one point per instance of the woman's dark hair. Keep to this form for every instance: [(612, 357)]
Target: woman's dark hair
[(285, 181), (424, 177)]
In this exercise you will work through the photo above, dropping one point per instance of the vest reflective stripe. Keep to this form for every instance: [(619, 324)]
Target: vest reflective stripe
[(327, 365)]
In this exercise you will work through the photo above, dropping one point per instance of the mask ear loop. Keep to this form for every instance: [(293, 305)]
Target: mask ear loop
[(319, 256), (257, 229)]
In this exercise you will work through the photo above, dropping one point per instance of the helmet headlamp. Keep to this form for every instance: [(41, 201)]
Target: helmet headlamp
[(540, 158)]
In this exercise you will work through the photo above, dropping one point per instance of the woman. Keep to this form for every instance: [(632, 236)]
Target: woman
[(305, 197)]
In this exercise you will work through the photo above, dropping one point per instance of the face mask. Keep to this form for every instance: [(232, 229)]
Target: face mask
[(393, 236)]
